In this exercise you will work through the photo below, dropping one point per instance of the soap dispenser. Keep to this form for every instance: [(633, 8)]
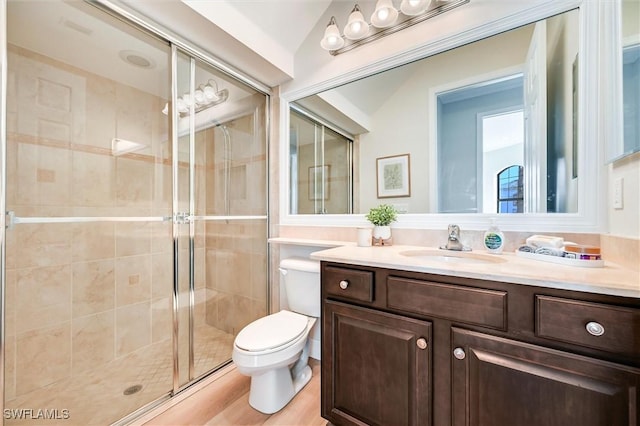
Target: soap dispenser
[(493, 239)]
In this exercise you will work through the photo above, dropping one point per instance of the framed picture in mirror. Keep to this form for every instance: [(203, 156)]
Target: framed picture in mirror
[(393, 176)]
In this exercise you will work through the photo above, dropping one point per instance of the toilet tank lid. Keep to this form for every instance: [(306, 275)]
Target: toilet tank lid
[(300, 264)]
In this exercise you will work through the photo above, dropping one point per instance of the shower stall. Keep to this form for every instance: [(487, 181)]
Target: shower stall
[(134, 244)]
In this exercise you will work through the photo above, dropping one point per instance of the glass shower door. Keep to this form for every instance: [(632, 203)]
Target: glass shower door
[(88, 254), (222, 164)]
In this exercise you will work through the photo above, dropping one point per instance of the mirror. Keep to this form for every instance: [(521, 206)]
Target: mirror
[(486, 127), (630, 77)]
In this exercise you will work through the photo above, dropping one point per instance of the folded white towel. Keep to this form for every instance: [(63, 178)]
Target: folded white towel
[(545, 241)]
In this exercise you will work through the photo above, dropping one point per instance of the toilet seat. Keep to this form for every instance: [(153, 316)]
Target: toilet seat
[(273, 331)]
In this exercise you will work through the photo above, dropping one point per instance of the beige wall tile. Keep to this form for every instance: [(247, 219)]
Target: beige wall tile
[(134, 110), (93, 287), (40, 245), (92, 241), (10, 308), (161, 319), (92, 341), (44, 297), (93, 179), (211, 307), (133, 183), (161, 234), (161, 276), (43, 175), (133, 280), (43, 356), (133, 328), (10, 367), (133, 238), (101, 112)]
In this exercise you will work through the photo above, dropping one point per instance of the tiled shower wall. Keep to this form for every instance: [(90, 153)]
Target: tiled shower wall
[(82, 295)]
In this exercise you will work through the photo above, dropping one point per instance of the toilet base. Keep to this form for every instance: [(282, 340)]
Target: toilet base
[(273, 389)]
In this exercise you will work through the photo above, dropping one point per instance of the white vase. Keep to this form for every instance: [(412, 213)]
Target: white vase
[(382, 235)]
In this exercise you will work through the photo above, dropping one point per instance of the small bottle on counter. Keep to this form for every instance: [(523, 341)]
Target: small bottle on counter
[(493, 239)]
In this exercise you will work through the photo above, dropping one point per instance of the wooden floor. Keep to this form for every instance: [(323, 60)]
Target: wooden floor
[(226, 402)]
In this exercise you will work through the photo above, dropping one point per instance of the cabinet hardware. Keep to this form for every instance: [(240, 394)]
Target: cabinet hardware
[(459, 353), (421, 343), (344, 284), (595, 328)]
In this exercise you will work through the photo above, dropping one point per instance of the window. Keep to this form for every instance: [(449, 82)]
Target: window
[(510, 192)]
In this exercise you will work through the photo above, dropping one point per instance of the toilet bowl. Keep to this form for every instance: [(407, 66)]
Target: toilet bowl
[(274, 350)]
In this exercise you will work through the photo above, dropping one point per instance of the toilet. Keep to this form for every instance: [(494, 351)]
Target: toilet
[(274, 350)]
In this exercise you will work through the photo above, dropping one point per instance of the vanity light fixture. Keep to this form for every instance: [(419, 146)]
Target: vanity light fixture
[(205, 96), (385, 20)]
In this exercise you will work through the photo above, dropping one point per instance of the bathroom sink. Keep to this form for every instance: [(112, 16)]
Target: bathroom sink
[(448, 256)]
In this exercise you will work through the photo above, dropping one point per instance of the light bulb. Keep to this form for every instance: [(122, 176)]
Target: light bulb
[(332, 39), (181, 106), (356, 27), (414, 7), (198, 96), (384, 15), (210, 94)]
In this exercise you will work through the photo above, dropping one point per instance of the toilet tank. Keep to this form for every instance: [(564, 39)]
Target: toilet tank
[(302, 285)]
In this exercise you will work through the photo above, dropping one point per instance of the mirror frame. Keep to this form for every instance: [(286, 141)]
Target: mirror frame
[(595, 123)]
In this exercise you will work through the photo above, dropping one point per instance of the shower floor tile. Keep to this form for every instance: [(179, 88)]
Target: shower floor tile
[(97, 398)]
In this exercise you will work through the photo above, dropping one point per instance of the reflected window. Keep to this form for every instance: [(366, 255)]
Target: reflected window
[(510, 190), (480, 132), (631, 97)]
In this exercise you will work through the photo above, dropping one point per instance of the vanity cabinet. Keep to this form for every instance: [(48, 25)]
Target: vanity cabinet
[(409, 348), (498, 381), (379, 369)]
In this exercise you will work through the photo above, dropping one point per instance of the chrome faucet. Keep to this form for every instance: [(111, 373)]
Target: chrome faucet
[(453, 242)]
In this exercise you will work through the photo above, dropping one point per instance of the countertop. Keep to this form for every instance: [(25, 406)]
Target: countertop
[(610, 279)]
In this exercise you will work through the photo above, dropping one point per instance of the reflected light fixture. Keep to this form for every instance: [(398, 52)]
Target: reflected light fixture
[(205, 96), (385, 20)]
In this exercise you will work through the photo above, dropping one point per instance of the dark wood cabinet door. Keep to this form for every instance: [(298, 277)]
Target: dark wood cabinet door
[(376, 367), (498, 382)]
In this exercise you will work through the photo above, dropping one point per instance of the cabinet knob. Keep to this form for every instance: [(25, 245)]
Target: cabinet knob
[(344, 284), (595, 328), (459, 353), (421, 343)]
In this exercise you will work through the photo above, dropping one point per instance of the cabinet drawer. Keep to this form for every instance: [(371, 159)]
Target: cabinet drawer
[(349, 284), (569, 321), (457, 303)]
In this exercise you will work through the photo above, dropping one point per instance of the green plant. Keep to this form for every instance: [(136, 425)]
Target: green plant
[(382, 215)]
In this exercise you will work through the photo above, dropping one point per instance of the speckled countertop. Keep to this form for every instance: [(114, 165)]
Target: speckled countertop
[(610, 279)]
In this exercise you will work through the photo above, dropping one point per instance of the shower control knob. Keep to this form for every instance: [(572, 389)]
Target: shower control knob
[(344, 284), (459, 353), (595, 328), (421, 343)]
